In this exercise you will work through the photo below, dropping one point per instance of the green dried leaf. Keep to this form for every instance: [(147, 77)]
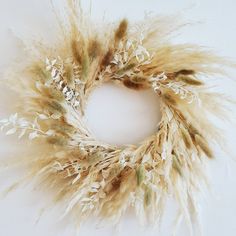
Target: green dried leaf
[(140, 174)]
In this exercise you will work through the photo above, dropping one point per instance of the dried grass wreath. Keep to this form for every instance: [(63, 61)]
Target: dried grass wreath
[(91, 177)]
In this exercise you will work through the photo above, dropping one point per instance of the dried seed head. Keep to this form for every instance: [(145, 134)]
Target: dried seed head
[(181, 116), (189, 80), (39, 71), (76, 52), (53, 107), (52, 93), (94, 49), (169, 99), (107, 58), (121, 31), (202, 143), (185, 72), (139, 79), (116, 184), (134, 85), (193, 131), (57, 140), (68, 75), (176, 165), (125, 68), (186, 137), (125, 172), (63, 128), (85, 65)]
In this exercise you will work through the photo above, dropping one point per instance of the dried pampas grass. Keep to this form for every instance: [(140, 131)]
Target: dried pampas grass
[(94, 178)]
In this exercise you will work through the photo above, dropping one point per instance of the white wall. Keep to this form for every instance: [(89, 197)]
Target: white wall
[(215, 28)]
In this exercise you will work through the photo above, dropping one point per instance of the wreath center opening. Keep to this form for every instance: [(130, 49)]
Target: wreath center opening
[(120, 116)]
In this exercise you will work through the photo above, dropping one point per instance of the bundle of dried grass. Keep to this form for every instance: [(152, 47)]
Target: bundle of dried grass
[(95, 178)]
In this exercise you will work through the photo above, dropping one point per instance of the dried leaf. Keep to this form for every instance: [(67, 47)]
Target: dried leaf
[(33, 135), (140, 174), (11, 131)]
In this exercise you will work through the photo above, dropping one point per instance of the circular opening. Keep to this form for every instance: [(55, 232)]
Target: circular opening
[(119, 116)]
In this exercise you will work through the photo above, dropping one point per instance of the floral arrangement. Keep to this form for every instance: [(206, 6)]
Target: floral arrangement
[(94, 178)]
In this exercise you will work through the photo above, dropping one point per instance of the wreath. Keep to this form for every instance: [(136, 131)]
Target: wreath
[(92, 177)]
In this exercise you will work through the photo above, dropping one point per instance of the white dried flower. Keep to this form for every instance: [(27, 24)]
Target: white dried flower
[(184, 92), (156, 81)]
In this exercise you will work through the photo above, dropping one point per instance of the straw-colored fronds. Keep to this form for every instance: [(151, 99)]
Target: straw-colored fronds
[(94, 178)]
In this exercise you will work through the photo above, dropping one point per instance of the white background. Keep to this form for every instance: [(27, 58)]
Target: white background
[(123, 116)]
